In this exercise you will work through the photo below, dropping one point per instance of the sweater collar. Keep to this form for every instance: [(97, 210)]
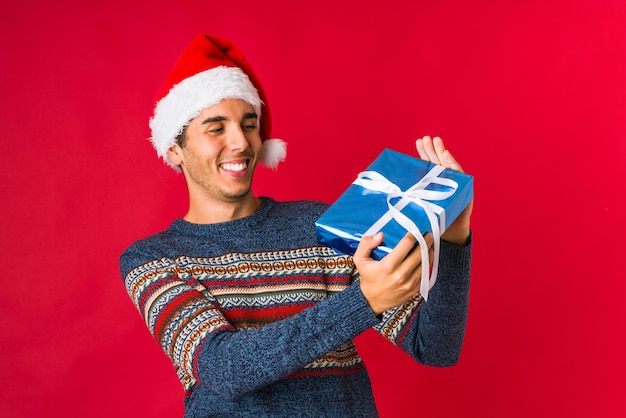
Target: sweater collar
[(187, 228)]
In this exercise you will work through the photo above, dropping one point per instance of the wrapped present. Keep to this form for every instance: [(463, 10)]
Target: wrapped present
[(397, 193)]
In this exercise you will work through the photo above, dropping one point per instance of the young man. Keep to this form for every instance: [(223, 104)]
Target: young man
[(256, 316)]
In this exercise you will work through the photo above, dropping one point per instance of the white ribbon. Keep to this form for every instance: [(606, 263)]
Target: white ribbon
[(417, 194)]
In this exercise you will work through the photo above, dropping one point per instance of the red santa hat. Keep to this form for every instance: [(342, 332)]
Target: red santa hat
[(209, 70)]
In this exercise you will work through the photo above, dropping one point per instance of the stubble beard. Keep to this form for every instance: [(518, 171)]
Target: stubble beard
[(219, 190), (211, 182)]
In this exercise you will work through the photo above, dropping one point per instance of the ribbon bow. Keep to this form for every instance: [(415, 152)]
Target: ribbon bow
[(417, 194)]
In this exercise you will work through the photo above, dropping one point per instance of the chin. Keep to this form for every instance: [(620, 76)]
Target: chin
[(237, 194)]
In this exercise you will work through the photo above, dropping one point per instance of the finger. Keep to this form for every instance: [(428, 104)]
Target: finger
[(413, 263), (431, 254), (430, 150), (425, 149), (417, 273), (439, 148), (419, 145), (430, 239), (415, 256), (400, 251), (415, 278), (445, 157), (366, 245), (450, 162)]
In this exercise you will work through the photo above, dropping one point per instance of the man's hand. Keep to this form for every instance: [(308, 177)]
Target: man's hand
[(434, 150), (393, 280)]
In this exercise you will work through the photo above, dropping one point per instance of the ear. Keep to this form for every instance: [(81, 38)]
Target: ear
[(175, 154)]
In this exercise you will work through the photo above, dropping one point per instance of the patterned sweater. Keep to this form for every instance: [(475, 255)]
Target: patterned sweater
[(258, 319)]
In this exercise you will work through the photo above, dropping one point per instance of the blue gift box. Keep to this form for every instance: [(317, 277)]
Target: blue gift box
[(387, 192)]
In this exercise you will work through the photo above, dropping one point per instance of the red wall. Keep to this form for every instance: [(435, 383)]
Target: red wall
[(530, 96)]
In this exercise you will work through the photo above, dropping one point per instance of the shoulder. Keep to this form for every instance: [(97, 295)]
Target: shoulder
[(145, 250)]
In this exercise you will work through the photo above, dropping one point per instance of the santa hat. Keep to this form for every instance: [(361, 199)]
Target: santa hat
[(209, 70)]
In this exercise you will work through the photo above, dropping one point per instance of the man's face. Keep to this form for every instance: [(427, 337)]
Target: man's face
[(220, 151)]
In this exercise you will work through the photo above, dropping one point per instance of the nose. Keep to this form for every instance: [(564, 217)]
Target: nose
[(237, 140)]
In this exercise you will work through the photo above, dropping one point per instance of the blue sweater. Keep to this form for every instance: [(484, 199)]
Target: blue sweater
[(258, 319)]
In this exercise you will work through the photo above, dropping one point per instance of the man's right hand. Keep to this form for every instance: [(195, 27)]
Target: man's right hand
[(396, 278)]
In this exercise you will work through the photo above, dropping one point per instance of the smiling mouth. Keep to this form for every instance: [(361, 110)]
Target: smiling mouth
[(235, 167)]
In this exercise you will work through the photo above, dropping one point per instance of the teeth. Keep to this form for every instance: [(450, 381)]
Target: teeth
[(234, 167)]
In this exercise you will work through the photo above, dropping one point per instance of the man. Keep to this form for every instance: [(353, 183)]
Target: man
[(256, 316)]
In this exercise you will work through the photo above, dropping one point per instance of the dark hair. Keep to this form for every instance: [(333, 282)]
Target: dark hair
[(181, 139)]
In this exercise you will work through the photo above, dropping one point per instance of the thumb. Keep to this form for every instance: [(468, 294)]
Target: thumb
[(367, 244)]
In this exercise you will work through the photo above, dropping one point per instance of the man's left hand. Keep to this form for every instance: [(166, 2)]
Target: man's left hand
[(434, 150)]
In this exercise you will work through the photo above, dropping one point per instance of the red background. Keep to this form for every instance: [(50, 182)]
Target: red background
[(530, 96)]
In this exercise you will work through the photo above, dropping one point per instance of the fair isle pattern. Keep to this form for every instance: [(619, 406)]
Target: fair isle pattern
[(179, 316), (394, 320), (185, 299), (343, 356), (343, 360), (253, 289)]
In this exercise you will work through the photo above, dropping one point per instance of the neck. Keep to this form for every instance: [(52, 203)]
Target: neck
[(202, 212)]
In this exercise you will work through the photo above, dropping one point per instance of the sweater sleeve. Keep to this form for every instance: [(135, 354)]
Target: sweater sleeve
[(186, 321), (433, 332)]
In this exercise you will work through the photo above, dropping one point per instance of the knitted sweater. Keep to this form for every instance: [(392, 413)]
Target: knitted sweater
[(258, 319)]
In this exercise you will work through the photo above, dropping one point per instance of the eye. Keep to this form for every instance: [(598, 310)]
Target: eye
[(249, 123), (249, 127), (216, 131)]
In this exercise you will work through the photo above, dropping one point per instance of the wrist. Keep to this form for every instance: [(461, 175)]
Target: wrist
[(458, 237), (376, 310)]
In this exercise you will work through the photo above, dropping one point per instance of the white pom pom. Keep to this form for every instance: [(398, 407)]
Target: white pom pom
[(273, 152)]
